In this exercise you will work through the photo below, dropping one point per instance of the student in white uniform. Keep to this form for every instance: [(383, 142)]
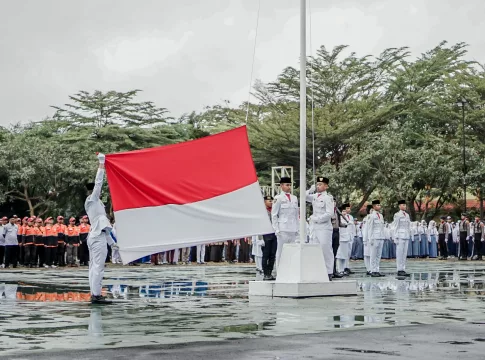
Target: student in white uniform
[(365, 240), (284, 217), (375, 237), (401, 228), (344, 243), (321, 221), (99, 234), (351, 230), (257, 252)]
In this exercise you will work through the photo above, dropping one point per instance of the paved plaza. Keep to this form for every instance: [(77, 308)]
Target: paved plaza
[(43, 313)]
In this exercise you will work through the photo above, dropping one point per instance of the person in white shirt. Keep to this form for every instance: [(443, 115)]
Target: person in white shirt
[(257, 252), (9, 233), (3, 222), (401, 233), (99, 234), (375, 237), (284, 217), (321, 222)]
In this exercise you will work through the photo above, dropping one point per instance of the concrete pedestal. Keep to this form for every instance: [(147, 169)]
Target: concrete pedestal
[(302, 273)]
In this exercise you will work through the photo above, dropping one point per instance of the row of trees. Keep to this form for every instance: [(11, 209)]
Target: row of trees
[(385, 126)]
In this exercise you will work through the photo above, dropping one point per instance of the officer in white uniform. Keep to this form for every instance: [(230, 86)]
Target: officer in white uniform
[(401, 233), (351, 230), (375, 237), (284, 217), (99, 234), (321, 220), (343, 253), (365, 239)]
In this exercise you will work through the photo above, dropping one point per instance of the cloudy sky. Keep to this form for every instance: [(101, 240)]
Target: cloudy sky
[(185, 54)]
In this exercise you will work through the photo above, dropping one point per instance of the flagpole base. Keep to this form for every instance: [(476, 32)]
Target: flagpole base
[(303, 290), (302, 273)]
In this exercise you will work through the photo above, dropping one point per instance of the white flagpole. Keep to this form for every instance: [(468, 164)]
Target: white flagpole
[(302, 121)]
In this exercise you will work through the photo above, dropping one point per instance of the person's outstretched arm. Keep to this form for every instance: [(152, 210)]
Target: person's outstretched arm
[(98, 181)]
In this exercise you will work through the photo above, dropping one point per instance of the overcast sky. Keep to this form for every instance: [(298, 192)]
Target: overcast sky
[(185, 54)]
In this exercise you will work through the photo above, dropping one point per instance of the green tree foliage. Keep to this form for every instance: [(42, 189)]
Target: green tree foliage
[(385, 126)]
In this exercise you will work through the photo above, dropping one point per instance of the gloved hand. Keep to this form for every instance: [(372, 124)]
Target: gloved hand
[(101, 158), (115, 246), (312, 189), (277, 232)]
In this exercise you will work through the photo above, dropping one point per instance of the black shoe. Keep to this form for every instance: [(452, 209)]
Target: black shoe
[(338, 276), (100, 299), (330, 276), (348, 271), (375, 274), (381, 275), (368, 273)]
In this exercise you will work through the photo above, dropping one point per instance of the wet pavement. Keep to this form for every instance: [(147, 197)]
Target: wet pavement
[(47, 309)]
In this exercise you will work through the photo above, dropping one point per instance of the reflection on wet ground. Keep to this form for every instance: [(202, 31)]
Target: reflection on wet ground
[(158, 305)]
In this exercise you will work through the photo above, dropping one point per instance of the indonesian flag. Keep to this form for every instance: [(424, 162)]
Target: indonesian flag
[(186, 194)]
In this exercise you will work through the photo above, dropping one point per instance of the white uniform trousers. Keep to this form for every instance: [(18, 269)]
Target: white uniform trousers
[(375, 254), (324, 238), (342, 256), (98, 250), (200, 254), (401, 254), (283, 237), (367, 247), (259, 262)]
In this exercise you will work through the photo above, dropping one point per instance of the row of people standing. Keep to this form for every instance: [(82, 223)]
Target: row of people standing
[(462, 239), (33, 242)]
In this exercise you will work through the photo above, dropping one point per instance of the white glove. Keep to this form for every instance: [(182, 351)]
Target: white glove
[(277, 232), (115, 246), (312, 189), (101, 158)]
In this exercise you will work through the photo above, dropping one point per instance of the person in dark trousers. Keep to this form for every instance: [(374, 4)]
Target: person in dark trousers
[(270, 245), (478, 237), (442, 231), (464, 227), (11, 243)]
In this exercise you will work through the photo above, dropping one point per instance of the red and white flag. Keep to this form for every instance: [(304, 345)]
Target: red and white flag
[(181, 195)]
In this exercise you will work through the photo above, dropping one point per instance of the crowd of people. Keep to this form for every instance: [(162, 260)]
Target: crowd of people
[(33, 242)]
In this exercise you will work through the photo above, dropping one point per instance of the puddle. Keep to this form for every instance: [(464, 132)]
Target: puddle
[(389, 353), (162, 305)]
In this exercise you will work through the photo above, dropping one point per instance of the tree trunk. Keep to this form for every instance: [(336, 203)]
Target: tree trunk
[(29, 201), (355, 211), (480, 198)]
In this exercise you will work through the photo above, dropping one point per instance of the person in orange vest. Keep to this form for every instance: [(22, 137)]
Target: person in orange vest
[(39, 242), (83, 250), (60, 229), (28, 240), (72, 242), (50, 243)]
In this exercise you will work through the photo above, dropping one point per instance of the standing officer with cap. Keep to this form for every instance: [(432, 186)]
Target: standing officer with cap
[(270, 245), (464, 227), (401, 235), (375, 237), (321, 220), (99, 234), (284, 217)]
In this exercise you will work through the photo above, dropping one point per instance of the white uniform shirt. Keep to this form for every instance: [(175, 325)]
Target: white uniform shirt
[(95, 209), (10, 234), (284, 213), (375, 227), (2, 239), (323, 209), (258, 243), (401, 226)]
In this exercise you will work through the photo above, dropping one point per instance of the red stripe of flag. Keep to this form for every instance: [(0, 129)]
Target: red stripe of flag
[(181, 173)]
